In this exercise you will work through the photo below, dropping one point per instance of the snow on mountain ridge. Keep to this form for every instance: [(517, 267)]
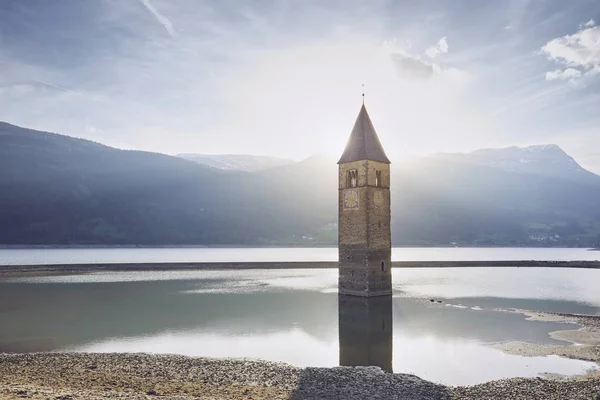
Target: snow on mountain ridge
[(542, 147)]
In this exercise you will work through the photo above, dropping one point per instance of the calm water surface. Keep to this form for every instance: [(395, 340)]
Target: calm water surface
[(294, 316), (144, 255)]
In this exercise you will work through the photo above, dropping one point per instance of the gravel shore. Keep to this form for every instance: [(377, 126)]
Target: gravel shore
[(587, 338), (67, 376)]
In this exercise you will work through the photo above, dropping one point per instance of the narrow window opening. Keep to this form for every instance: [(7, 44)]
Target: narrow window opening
[(383, 266), (352, 178), (378, 178)]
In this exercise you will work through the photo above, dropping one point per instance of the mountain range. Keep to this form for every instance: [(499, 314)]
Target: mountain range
[(237, 162), (56, 189)]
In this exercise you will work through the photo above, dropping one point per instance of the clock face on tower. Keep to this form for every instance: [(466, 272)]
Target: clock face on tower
[(350, 199)]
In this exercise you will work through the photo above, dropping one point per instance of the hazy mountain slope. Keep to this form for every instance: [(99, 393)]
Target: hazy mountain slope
[(56, 189), (438, 200), (306, 191), (549, 160), (236, 162), (59, 190)]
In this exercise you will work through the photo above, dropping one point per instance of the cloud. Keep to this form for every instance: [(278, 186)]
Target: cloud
[(440, 47), (53, 85), (590, 23), (16, 91), (236, 77), (412, 67), (569, 73), (581, 50), (164, 21)]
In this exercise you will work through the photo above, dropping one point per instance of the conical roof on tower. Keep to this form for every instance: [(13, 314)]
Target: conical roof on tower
[(363, 143)]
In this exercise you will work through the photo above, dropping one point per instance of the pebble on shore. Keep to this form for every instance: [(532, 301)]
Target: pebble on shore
[(71, 376)]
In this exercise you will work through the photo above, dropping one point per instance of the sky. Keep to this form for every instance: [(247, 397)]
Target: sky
[(285, 78)]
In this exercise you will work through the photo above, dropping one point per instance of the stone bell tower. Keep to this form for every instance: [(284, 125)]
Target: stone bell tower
[(365, 244)]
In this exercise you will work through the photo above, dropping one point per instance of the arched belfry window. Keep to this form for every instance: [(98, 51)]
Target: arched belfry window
[(352, 178), (378, 181)]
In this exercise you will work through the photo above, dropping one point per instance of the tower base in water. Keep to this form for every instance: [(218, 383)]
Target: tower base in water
[(364, 273)]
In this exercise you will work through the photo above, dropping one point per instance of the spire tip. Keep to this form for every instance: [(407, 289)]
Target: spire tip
[(363, 94)]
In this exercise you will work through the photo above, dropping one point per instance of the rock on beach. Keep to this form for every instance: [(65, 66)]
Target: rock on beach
[(70, 376)]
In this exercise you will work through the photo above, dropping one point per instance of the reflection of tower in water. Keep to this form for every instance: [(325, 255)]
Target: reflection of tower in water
[(365, 330)]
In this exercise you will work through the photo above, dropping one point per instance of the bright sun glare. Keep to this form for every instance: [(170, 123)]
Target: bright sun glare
[(315, 91)]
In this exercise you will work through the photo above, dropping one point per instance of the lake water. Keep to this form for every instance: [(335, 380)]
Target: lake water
[(187, 254), (295, 316)]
